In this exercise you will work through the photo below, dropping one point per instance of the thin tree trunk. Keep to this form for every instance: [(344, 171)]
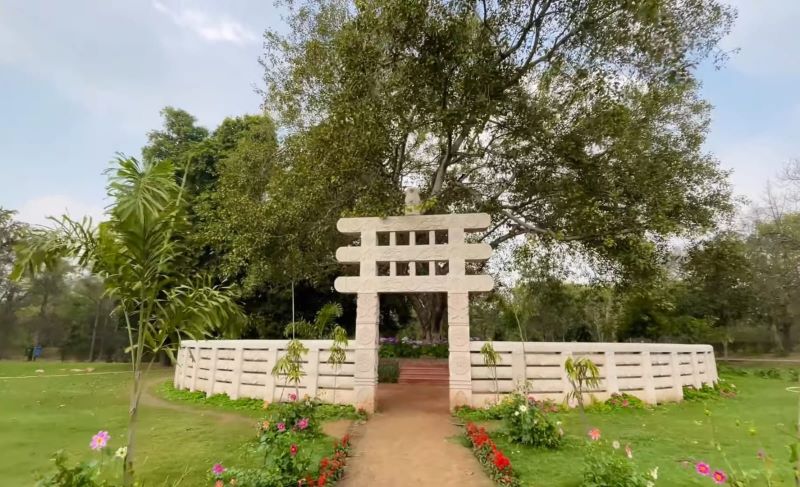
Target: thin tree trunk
[(94, 329)]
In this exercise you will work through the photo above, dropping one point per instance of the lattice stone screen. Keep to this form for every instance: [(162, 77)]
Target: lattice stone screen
[(653, 372), (413, 254)]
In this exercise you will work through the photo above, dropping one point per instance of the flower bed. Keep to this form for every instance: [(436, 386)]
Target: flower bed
[(494, 462)]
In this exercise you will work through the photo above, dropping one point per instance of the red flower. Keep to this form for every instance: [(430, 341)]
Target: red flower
[(501, 461), (321, 480), (324, 463), (293, 450)]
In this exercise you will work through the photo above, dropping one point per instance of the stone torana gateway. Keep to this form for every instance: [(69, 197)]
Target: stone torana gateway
[(413, 254), (430, 254)]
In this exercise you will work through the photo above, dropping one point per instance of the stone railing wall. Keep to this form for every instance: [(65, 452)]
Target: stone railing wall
[(652, 372), (243, 368)]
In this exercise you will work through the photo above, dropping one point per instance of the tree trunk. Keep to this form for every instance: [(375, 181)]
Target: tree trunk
[(94, 329), (786, 337), (133, 417), (431, 309)]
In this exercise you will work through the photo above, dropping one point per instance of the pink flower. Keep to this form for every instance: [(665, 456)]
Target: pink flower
[(100, 440), (281, 427), (219, 483), (293, 449), (594, 434), (292, 396), (703, 469), (303, 423), (719, 477), (628, 451), (217, 469)]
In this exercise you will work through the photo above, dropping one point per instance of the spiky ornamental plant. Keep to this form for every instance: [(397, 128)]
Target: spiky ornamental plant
[(491, 359), (583, 375), (139, 254), (290, 366)]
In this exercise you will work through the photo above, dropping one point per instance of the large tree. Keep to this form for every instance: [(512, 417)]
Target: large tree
[(577, 121)]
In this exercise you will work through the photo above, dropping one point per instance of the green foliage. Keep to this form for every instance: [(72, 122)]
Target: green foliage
[(722, 388), (583, 376), (138, 253), (528, 424), (609, 467), (221, 401), (84, 474), (290, 365), (617, 402), (388, 371), (413, 350)]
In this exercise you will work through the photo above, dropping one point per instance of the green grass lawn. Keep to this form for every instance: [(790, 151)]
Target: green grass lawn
[(762, 416), (45, 413)]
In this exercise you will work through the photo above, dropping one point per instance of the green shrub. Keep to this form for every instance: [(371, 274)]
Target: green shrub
[(771, 373), (85, 474), (618, 401), (388, 371), (413, 350), (529, 425), (722, 388), (611, 467)]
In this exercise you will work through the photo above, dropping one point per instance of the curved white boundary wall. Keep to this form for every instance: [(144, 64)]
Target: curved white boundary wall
[(243, 368), (653, 372)]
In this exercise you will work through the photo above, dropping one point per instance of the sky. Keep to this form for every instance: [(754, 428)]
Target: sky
[(83, 80)]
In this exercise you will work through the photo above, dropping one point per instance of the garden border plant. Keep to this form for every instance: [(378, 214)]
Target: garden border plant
[(494, 462)]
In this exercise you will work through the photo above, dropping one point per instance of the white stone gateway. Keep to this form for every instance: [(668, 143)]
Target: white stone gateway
[(413, 254)]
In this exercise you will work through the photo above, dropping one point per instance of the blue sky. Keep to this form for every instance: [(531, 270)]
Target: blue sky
[(82, 80)]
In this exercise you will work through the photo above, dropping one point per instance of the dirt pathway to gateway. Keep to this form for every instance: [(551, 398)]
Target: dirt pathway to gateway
[(411, 442)]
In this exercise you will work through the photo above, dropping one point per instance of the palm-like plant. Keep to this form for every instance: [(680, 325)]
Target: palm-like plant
[(583, 375), (140, 255)]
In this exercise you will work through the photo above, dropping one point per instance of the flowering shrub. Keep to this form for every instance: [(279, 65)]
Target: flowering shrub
[(529, 425), (330, 469), (86, 474), (614, 466), (494, 461)]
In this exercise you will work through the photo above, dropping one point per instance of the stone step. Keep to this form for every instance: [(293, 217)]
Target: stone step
[(424, 371)]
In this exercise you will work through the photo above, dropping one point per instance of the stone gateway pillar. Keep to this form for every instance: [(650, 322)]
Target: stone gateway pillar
[(413, 254)]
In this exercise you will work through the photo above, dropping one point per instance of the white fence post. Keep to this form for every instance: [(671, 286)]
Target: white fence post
[(312, 376), (612, 382), (269, 380), (212, 371), (236, 380), (677, 380), (565, 384), (698, 383), (196, 368), (647, 377)]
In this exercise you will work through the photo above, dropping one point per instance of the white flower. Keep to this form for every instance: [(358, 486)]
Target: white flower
[(523, 408), (121, 452), (650, 483), (615, 444), (516, 413), (654, 473)]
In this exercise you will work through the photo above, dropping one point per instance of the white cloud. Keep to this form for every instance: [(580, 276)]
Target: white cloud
[(206, 27), (766, 34), (35, 211)]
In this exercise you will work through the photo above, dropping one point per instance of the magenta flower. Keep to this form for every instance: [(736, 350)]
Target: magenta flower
[(703, 469), (100, 440), (719, 477), (217, 469), (303, 423), (292, 396), (281, 427), (293, 449), (594, 434)]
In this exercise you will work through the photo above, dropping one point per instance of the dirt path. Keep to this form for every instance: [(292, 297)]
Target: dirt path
[(411, 442)]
